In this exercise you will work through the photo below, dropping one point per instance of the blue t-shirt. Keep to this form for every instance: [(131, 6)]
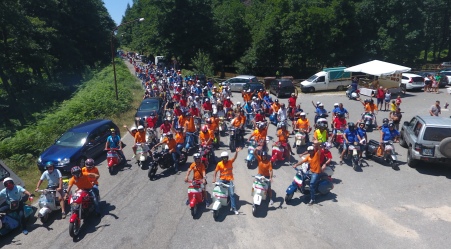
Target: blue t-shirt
[(361, 132), (354, 86), (13, 195), (320, 111), (339, 110), (53, 178), (351, 135), (248, 108), (389, 134), (114, 142)]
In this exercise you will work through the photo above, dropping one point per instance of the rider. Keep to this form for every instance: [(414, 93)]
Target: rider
[(199, 174), (282, 113), (82, 181), (248, 109), (303, 125), (179, 139), (259, 117), (275, 107), (350, 136), (265, 169), (320, 112), (239, 122), (292, 105), (339, 109), (140, 138), (152, 120), (206, 136), (190, 128), (172, 145), (225, 167), (114, 142), (389, 134), (260, 135), (166, 126), (15, 199), (228, 104), (339, 123), (55, 181), (321, 134), (207, 106), (361, 132), (283, 135), (90, 168)]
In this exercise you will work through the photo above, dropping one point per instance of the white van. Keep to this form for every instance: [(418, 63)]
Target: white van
[(328, 79)]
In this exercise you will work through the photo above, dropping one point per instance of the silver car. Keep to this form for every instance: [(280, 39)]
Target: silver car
[(236, 83)]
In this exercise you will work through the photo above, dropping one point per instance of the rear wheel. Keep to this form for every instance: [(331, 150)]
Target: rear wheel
[(249, 164), (183, 157), (74, 228), (311, 90), (410, 161), (232, 146), (288, 197), (340, 88)]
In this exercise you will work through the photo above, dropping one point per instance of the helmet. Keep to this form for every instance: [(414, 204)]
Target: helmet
[(196, 156), (248, 90), (321, 105), (303, 114), (391, 125), (310, 148), (89, 163), (140, 127), (7, 179), (208, 100), (228, 97), (322, 125), (351, 125), (167, 119), (371, 101), (204, 128), (49, 164), (238, 103), (264, 154), (292, 94), (317, 102), (169, 134), (75, 171), (385, 121), (327, 145), (283, 105), (277, 100), (208, 121), (254, 98), (336, 104), (224, 154)]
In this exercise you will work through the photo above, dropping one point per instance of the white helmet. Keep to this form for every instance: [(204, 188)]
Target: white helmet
[(140, 127), (133, 128), (238, 103), (303, 114), (10, 179), (224, 154), (228, 97), (248, 90)]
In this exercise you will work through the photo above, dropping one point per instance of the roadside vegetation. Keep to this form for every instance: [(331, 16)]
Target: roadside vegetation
[(95, 99)]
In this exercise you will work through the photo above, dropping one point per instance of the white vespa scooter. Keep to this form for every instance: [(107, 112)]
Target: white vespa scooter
[(259, 192), (47, 204), (141, 154), (220, 197)]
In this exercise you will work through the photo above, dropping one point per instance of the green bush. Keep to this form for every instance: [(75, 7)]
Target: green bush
[(95, 99)]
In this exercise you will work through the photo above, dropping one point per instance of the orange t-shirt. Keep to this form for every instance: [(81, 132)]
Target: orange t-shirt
[(140, 137), (238, 121), (370, 107), (283, 135), (214, 123), (260, 95), (247, 97), (205, 136), (94, 170), (259, 136), (315, 163), (171, 144), (182, 120), (303, 124), (82, 182), (226, 170), (198, 171), (276, 107), (189, 124), (179, 138), (264, 167)]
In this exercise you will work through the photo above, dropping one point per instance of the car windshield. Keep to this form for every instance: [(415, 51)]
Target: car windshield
[(149, 106), (312, 78), (446, 73), (436, 134), (72, 139)]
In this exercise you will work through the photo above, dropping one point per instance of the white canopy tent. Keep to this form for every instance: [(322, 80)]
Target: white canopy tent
[(378, 68)]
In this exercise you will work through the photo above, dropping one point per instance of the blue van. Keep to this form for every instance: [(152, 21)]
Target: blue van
[(83, 141)]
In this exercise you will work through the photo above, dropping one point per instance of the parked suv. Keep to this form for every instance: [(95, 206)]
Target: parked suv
[(411, 81), (427, 139), (83, 141), (282, 87), (236, 83)]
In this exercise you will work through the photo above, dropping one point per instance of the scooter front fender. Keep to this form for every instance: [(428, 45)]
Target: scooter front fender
[(193, 201), (257, 199), (394, 157), (74, 217), (43, 211), (111, 162), (250, 157), (216, 205), (292, 188)]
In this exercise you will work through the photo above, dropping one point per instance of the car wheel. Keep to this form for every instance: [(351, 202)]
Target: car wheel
[(311, 90), (410, 161), (403, 87), (445, 147), (340, 88), (402, 142)]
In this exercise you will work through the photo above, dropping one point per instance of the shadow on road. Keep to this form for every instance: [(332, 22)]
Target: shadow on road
[(91, 224), (434, 169)]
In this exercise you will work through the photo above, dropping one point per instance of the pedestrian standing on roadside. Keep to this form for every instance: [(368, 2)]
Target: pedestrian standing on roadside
[(380, 97), (434, 84), (435, 109), (387, 99), (398, 101), (396, 117)]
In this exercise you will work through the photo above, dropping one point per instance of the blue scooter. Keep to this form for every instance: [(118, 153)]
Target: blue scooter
[(250, 159), (273, 118)]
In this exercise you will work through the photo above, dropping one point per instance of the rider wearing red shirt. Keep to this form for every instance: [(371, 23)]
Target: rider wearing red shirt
[(207, 105), (165, 127), (176, 97), (183, 102), (292, 101), (152, 120), (177, 110), (194, 111)]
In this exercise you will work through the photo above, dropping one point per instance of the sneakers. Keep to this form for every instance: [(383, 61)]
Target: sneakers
[(63, 215), (133, 156), (25, 231), (235, 211), (271, 202), (311, 203)]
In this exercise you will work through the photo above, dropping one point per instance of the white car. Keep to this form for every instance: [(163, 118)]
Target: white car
[(411, 81), (236, 83), (448, 75)]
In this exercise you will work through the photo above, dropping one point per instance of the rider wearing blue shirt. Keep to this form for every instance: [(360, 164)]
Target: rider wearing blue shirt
[(341, 110), (350, 136), (389, 134)]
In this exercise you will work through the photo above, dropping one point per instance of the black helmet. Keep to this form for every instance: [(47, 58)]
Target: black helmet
[(391, 125), (322, 125), (89, 163), (264, 154), (385, 121), (277, 100), (371, 101), (351, 125), (75, 171)]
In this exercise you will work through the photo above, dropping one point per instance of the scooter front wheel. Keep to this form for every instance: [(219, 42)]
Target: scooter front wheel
[(288, 197), (74, 228), (194, 211), (254, 210), (215, 214), (110, 170), (45, 218)]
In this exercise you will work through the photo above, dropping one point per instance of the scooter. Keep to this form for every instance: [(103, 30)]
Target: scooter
[(299, 139), (151, 136), (278, 152), (388, 154), (250, 159), (273, 118), (11, 220), (338, 140), (82, 205), (355, 159), (141, 154), (113, 159), (354, 95), (48, 202), (222, 126), (259, 192), (301, 182), (249, 120), (234, 138), (368, 118), (190, 142), (206, 154), (195, 195), (164, 160), (220, 197)]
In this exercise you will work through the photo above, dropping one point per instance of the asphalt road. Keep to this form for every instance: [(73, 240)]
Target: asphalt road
[(374, 208)]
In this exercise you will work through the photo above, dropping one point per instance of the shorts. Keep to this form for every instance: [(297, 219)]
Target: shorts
[(387, 101), (380, 101)]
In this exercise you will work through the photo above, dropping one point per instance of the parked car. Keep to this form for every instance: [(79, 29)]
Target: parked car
[(80, 142), (254, 86), (443, 79), (5, 171), (411, 81), (148, 106), (446, 64), (282, 87), (236, 83), (448, 76), (427, 139)]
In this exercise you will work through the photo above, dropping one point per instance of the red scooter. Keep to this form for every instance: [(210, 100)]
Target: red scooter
[(113, 159), (279, 153), (195, 195), (82, 205)]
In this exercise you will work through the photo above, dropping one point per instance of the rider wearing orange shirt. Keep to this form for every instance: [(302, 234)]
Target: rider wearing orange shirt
[(199, 174), (265, 169), (283, 135)]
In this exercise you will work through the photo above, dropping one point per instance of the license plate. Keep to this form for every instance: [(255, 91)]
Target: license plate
[(427, 152)]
